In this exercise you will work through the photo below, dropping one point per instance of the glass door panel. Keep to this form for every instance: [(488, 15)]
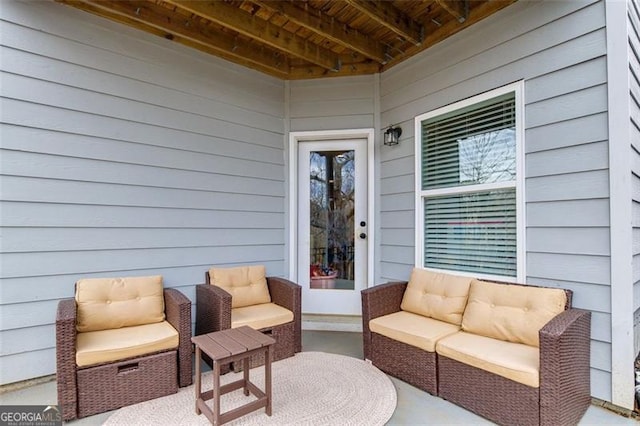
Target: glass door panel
[(331, 230)]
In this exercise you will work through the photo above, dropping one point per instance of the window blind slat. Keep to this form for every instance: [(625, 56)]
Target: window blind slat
[(471, 231), (475, 230), (473, 145)]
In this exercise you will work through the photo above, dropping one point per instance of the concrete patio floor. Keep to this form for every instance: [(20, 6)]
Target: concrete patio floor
[(415, 407)]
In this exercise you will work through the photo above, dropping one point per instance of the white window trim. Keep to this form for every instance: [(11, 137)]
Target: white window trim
[(518, 89)]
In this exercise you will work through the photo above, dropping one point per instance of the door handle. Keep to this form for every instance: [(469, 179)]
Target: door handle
[(363, 235)]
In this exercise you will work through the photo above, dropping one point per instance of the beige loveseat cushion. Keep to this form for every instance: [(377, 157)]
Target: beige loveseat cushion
[(514, 313), (260, 316), (436, 295), (97, 347), (106, 303), (514, 361), (246, 284), (412, 329)]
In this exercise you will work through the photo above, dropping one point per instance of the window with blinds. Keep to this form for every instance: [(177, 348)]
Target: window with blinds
[(468, 187)]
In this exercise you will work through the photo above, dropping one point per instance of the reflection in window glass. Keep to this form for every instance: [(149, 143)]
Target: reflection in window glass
[(469, 229), (332, 195), (472, 145)]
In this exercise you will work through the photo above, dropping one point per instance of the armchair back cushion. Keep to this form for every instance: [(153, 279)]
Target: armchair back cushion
[(513, 313), (436, 295), (110, 303), (246, 284)]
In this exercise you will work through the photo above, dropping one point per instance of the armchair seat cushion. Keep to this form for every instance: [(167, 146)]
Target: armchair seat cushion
[(514, 361), (260, 316), (98, 347), (412, 329)]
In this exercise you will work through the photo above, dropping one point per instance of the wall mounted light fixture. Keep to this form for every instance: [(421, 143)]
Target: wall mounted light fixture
[(392, 135)]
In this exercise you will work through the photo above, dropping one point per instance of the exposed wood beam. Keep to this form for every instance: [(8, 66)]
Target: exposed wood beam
[(229, 16), (442, 32), (161, 21), (384, 13), (459, 9), (361, 68), (327, 27)]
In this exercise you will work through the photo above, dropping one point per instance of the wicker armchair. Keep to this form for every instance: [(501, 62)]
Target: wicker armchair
[(92, 389), (214, 313)]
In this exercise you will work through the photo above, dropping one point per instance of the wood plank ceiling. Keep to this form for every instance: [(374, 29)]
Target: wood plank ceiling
[(298, 39)]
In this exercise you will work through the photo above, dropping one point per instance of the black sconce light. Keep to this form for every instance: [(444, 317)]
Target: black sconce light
[(392, 135)]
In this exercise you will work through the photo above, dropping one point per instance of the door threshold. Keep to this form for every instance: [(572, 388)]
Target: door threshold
[(352, 323)]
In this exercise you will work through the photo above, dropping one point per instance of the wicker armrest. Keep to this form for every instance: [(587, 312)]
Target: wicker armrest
[(285, 293), (288, 295), (213, 309), (565, 385), (177, 309), (382, 299), (66, 358), (377, 301)]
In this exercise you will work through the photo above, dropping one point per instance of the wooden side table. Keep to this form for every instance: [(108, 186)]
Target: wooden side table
[(235, 344)]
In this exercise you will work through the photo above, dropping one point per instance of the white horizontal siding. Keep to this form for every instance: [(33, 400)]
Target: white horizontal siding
[(51, 239), (561, 214), (265, 180), (584, 241), (332, 104), (559, 50), (593, 156), (132, 260), (581, 130), (25, 339), (94, 36), (124, 154)]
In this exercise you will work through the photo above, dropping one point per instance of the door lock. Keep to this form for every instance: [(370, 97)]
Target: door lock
[(363, 235)]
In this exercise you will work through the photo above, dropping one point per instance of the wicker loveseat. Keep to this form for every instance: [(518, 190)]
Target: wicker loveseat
[(121, 341), (514, 354), (244, 295)]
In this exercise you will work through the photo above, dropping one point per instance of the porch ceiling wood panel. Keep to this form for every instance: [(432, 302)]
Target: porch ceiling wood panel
[(299, 39)]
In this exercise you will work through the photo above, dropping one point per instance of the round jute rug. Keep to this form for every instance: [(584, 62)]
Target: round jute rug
[(311, 388)]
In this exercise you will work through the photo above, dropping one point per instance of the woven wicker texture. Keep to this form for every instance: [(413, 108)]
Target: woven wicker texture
[(378, 301), (408, 363), (311, 388), (564, 393), (213, 313), (489, 395), (564, 368), (95, 389), (115, 385)]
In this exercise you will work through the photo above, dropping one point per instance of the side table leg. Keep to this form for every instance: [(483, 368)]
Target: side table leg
[(267, 378), (245, 375), (198, 378), (216, 393)]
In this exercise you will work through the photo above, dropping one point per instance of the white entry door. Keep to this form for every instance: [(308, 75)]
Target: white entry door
[(332, 225)]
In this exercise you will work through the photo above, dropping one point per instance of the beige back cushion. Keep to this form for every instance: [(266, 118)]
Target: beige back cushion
[(512, 313), (246, 284), (107, 303), (436, 295)]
